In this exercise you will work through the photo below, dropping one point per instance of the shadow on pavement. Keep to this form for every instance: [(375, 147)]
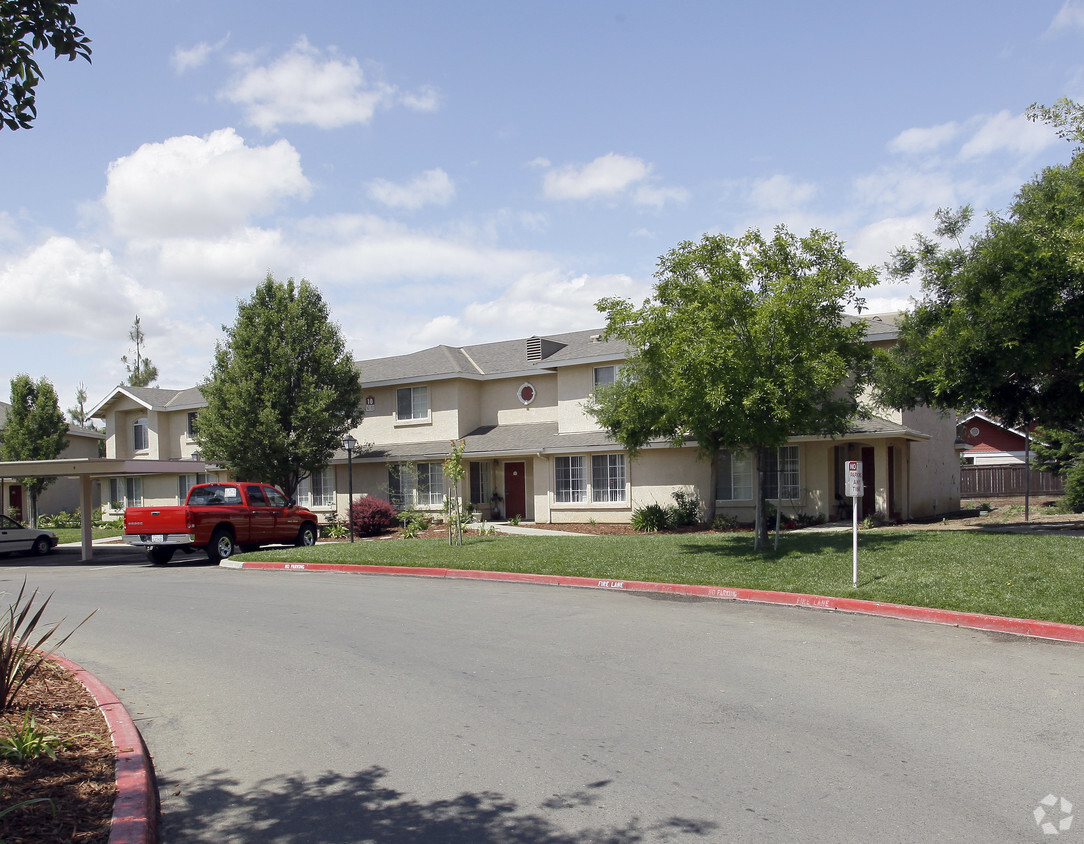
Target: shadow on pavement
[(104, 555), (357, 807)]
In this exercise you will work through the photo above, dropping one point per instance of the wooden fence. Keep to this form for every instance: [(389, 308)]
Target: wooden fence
[(992, 481)]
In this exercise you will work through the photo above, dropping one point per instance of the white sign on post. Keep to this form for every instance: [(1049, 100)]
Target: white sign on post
[(854, 491)]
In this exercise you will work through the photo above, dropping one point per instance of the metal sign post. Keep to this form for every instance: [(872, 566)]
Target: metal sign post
[(854, 490)]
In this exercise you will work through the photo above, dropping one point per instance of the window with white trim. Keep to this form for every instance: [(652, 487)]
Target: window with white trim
[(126, 492), (411, 404), (193, 424), (606, 374), (431, 484), (317, 490), (402, 485), (186, 482), (781, 473), (608, 478), (481, 483), (140, 437), (571, 479), (735, 476)]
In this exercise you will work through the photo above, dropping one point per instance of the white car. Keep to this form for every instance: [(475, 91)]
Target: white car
[(16, 539)]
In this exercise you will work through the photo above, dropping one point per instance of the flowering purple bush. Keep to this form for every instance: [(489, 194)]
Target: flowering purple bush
[(372, 516)]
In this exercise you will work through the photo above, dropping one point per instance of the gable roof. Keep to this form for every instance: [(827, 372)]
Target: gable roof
[(485, 361), (152, 398)]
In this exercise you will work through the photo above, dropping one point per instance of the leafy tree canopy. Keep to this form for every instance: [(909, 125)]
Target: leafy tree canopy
[(35, 430), (1001, 317), (744, 344), (283, 389), (27, 26)]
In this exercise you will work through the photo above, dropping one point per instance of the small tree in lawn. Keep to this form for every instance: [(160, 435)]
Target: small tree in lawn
[(35, 430), (283, 388), (454, 469), (744, 344)]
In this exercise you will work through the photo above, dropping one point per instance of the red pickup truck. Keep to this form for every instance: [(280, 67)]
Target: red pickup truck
[(219, 518)]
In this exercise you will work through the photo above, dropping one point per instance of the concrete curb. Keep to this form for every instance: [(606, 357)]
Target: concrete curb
[(135, 809), (976, 621)]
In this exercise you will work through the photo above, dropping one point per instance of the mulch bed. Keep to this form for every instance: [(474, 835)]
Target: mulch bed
[(80, 782)]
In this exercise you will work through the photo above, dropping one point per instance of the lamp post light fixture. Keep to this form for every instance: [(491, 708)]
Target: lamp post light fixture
[(349, 443)]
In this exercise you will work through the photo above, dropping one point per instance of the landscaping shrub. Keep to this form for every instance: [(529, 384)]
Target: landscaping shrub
[(372, 516), (1074, 486), (413, 523), (684, 511), (650, 519), (724, 522)]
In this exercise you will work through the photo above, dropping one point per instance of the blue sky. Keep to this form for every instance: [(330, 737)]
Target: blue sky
[(475, 171)]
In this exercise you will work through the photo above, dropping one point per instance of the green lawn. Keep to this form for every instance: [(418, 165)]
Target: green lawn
[(1039, 577), (74, 534)]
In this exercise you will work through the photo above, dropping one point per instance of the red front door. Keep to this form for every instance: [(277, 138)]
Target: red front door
[(515, 490)]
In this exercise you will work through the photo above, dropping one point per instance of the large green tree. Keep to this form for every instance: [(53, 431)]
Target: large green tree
[(27, 26), (283, 389), (35, 430), (1001, 317), (744, 344)]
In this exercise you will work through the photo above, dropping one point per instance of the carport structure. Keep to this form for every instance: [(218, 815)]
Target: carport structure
[(86, 470)]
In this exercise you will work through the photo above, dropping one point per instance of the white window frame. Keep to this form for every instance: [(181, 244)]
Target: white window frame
[(606, 380), (141, 433), (788, 458), (736, 480), (317, 491), (192, 425), (609, 478), (414, 397), (570, 479), (128, 492), (481, 483), (402, 485), (430, 489)]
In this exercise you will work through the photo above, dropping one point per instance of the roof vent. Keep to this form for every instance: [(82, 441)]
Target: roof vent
[(534, 349), (596, 338)]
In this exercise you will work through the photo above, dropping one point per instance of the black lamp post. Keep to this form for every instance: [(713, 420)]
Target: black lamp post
[(349, 444)]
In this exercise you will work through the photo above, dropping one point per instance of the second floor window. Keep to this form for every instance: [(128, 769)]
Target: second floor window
[(606, 375), (192, 424), (140, 440), (412, 403)]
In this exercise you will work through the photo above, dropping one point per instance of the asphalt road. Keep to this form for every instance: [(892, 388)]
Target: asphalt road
[(302, 707)]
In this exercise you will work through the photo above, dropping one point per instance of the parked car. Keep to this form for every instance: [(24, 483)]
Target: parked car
[(16, 539)]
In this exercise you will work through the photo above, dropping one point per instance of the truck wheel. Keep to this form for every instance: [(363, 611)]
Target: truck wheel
[(221, 546), (306, 536), (159, 555)]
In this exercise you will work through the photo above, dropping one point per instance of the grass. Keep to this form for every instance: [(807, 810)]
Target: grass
[(1023, 576), (74, 535)]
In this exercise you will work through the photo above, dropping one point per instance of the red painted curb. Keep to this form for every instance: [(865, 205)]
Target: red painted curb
[(135, 809), (976, 621)]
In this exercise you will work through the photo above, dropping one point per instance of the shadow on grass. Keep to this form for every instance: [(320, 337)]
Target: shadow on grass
[(803, 545), (358, 808)]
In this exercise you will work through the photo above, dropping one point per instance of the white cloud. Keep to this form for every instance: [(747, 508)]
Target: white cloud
[(657, 197), (186, 59), (607, 175), (236, 262), (781, 192), (1069, 16), (307, 86), (63, 287), (923, 139), (188, 186), (1008, 132), (433, 187), (367, 250)]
